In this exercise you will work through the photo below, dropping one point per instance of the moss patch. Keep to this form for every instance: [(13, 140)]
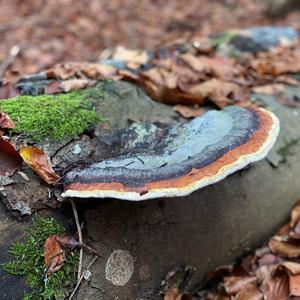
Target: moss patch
[(53, 116), (29, 261)]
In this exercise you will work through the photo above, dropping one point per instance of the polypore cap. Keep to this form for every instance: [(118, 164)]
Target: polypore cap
[(179, 159)]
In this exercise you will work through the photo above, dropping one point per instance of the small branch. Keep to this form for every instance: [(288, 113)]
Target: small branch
[(14, 52), (90, 249), (81, 277), (80, 240)]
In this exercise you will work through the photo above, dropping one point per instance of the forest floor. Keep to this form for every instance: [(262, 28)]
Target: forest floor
[(36, 35), (50, 32)]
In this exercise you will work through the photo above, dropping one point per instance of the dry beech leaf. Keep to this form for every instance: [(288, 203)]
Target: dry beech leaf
[(173, 294), (9, 90), (68, 242), (133, 58), (188, 111), (54, 87), (277, 288), (10, 160), (6, 122), (219, 92), (38, 160), (72, 70), (269, 89), (53, 254), (277, 62), (291, 267), (76, 84), (234, 284), (294, 285), (295, 214), (285, 249), (249, 292)]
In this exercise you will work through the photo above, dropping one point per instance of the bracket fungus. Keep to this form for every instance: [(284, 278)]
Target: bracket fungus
[(179, 158)]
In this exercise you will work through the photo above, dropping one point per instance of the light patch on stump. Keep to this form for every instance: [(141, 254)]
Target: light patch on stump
[(119, 267)]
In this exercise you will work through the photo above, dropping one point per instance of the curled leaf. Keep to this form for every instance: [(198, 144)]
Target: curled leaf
[(10, 160), (38, 160), (68, 242), (6, 122), (53, 254)]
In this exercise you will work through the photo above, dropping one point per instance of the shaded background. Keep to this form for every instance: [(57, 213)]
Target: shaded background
[(55, 31)]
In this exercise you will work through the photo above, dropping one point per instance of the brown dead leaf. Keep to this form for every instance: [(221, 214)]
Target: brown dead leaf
[(68, 242), (38, 160), (10, 160), (219, 92), (73, 70), (285, 249), (134, 59), (173, 294), (53, 254), (11, 76), (234, 284), (6, 122), (269, 89), (54, 87), (188, 111), (295, 214), (277, 288), (277, 62), (290, 267), (76, 84), (249, 292), (8, 90), (294, 281)]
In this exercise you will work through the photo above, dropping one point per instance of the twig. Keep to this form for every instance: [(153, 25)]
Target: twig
[(14, 52), (79, 238), (90, 249), (81, 277)]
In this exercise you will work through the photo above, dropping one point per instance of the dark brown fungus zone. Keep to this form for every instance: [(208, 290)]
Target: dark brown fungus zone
[(180, 158)]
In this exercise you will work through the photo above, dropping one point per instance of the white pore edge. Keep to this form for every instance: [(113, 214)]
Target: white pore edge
[(243, 161)]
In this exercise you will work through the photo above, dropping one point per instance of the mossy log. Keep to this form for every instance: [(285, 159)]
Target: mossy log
[(141, 242)]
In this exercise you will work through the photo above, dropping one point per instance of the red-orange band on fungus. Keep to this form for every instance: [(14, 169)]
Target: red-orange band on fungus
[(253, 145)]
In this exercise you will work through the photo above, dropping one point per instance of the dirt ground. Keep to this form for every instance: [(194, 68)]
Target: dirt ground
[(49, 32)]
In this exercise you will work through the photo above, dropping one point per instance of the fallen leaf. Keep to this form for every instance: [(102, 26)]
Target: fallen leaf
[(53, 254), (11, 76), (285, 249), (295, 214), (38, 160), (277, 289), (294, 281), (269, 89), (68, 242), (290, 267), (6, 122), (133, 59), (219, 92), (188, 111), (173, 294), (76, 84), (8, 90), (249, 292), (78, 70), (277, 62), (234, 284), (10, 160), (53, 87)]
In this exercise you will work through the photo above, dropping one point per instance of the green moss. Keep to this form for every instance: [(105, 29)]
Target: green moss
[(289, 148), (29, 261), (53, 116), (223, 38)]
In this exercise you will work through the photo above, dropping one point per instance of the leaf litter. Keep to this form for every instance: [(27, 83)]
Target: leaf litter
[(272, 272)]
